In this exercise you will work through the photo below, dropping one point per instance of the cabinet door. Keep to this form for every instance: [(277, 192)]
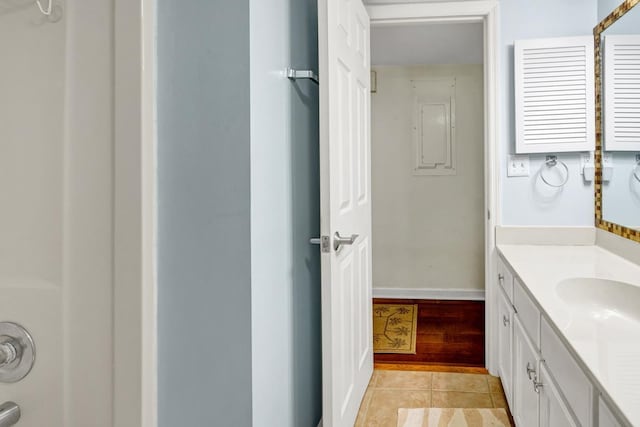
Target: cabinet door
[(553, 409), (525, 370), (505, 348)]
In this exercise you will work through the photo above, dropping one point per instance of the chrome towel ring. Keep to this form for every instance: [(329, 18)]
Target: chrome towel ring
[(550, 163)]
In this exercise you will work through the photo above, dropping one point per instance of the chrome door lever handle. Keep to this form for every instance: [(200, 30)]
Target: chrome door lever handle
[(338, 240), (531, 371), (9, 414)]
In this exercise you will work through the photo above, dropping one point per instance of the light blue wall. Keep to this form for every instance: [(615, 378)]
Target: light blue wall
[(605, 7), (239, 284), (525, 201), (204, 295), (284, 215)]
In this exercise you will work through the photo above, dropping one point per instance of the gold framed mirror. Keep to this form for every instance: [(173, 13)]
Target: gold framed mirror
[(616, 212)]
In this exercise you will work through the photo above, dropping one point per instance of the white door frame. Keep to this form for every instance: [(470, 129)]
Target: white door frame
[(134, 311), (485, 12)]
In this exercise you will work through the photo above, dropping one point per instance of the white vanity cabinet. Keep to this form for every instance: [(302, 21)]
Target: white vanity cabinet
[(505, 348), (526, 405), (553, 411), (528, 353)]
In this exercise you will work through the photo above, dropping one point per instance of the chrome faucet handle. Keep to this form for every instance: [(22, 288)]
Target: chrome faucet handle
[(8, 351), (9, 414), (17, 352)]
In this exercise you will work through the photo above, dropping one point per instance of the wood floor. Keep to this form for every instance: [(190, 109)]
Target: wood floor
[(450, 333)]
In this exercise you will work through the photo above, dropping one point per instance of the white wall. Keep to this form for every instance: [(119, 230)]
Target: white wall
[(526, 201), (427, 230)]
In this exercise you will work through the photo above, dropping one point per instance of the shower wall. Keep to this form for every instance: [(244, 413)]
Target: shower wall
[(428, 230), (56, 171)]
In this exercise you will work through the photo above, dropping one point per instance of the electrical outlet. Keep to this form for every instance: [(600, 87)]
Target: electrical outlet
[(518, 165), (586, 160)]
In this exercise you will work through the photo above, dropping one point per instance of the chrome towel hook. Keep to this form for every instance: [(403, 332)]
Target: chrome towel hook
[(301, 74), (550, 163)]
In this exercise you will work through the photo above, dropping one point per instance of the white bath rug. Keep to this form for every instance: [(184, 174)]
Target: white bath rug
[(452, 417)]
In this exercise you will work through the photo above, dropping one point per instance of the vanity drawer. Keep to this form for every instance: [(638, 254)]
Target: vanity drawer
[(505, 278), (574, 384), (527, 312)]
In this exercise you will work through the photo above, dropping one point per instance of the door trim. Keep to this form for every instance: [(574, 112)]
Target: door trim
[(430, 293), (486, 12), (134, 198)]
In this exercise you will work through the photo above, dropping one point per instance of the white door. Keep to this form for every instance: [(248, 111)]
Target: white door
[(345, 155)]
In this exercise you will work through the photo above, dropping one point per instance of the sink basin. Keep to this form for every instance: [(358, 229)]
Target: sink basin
[(601, 299)]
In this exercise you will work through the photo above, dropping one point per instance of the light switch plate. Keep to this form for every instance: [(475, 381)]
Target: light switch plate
[(518, 165)]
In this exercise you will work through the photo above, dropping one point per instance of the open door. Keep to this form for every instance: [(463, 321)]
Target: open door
[(345, 192)]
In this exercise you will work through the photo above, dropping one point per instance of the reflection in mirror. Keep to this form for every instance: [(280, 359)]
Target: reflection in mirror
[(620, 50)]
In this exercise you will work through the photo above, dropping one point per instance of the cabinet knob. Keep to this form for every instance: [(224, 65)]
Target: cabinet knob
[(506, 321), (500, 277), (531, 371)]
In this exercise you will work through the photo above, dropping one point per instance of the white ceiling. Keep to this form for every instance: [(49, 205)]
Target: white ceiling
[(417, 44)]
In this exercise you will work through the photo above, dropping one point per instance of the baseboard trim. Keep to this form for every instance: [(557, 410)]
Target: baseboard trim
[(437, 294)]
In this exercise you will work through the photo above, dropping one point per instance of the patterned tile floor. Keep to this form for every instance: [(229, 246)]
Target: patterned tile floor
[(390, 390)]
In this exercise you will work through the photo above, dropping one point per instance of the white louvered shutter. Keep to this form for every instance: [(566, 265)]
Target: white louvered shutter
[(621, 93), (554, 95)]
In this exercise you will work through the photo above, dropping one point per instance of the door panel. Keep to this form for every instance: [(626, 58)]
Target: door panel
[(345, 206)]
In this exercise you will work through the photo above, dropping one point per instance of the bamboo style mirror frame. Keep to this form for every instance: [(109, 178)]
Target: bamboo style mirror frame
[(601, 223)]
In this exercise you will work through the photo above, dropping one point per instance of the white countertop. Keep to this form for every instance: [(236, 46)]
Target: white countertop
[(610, 348)]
